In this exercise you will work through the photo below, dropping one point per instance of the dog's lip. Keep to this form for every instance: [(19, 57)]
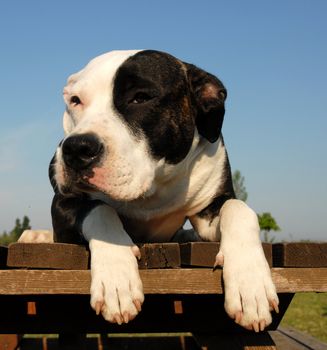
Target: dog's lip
[(84, 185)]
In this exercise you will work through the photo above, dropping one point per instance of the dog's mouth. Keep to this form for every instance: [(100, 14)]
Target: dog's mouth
[(115, 183), (85, 186), (77, 184)]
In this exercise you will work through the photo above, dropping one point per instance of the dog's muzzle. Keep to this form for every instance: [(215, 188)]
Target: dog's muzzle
[(82, 151)]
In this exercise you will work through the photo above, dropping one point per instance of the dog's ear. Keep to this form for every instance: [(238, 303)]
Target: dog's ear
[(209, 96)]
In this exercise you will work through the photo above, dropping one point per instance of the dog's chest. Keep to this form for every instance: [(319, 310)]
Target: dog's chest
[(159, 229)]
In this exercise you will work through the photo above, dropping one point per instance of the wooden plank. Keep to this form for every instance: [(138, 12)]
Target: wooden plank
[(267, 248), (294, 280), (300, 254), (199, 253), (9, 341), (243, 341), (48, 256), (291, 339), (76, 257), (160, 281), (3, 256), (31, 308), (204, 253), (159, 255)]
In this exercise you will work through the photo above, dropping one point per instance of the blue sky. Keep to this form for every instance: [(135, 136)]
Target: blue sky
[(271, 55)]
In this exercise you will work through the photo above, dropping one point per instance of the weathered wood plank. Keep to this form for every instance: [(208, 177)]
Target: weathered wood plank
[(159, 255), (204, 253), (300, 254), (291, 339), (267, 248), (77, 257), (199, 253), (48, 256), (294, 280), (159, 281)]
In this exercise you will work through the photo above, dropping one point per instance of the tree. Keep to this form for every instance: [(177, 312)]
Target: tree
[(239, 187), (15, 233), (267, 223)]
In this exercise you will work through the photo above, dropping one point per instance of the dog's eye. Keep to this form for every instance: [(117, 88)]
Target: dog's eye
[(75, 100), (140, 97)]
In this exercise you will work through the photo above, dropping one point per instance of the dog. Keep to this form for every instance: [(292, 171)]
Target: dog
[(143, 152)]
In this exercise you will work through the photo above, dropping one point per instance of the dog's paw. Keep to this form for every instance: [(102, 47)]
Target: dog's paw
[(36, 236), (250, 294), (116, 287)]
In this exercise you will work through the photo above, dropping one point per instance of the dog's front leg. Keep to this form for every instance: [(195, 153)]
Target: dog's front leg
[(250, 294), (249, 291), (116, 287)]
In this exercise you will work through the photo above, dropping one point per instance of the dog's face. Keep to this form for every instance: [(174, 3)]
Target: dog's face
[(128, 114)]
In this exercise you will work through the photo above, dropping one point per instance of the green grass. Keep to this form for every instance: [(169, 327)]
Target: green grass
[(308, 313)]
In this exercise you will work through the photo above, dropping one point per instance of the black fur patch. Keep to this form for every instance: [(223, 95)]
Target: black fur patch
[(209, 96), (152, 94), (68, 212), (224, 193)]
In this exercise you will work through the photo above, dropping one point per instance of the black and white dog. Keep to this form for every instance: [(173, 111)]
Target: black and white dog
[(143, 151)]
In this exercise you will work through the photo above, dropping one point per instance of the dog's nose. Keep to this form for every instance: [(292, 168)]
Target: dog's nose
[(81, 151)]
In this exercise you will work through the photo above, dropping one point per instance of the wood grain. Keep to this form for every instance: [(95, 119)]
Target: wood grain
[(199, 253), (77, 257), (300, 254), (160, 281), (203, 254), (159, 255), (48, 256), (291, 339)]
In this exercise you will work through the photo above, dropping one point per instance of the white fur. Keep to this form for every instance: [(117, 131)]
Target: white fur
[(127, 170), (116, 285), (249, 289), (36, 236), (182, 189)]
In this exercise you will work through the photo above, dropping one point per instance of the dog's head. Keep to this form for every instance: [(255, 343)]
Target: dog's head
[(127, 114)]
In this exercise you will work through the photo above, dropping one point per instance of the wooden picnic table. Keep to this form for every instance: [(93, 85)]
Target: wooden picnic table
[(44, 289)]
